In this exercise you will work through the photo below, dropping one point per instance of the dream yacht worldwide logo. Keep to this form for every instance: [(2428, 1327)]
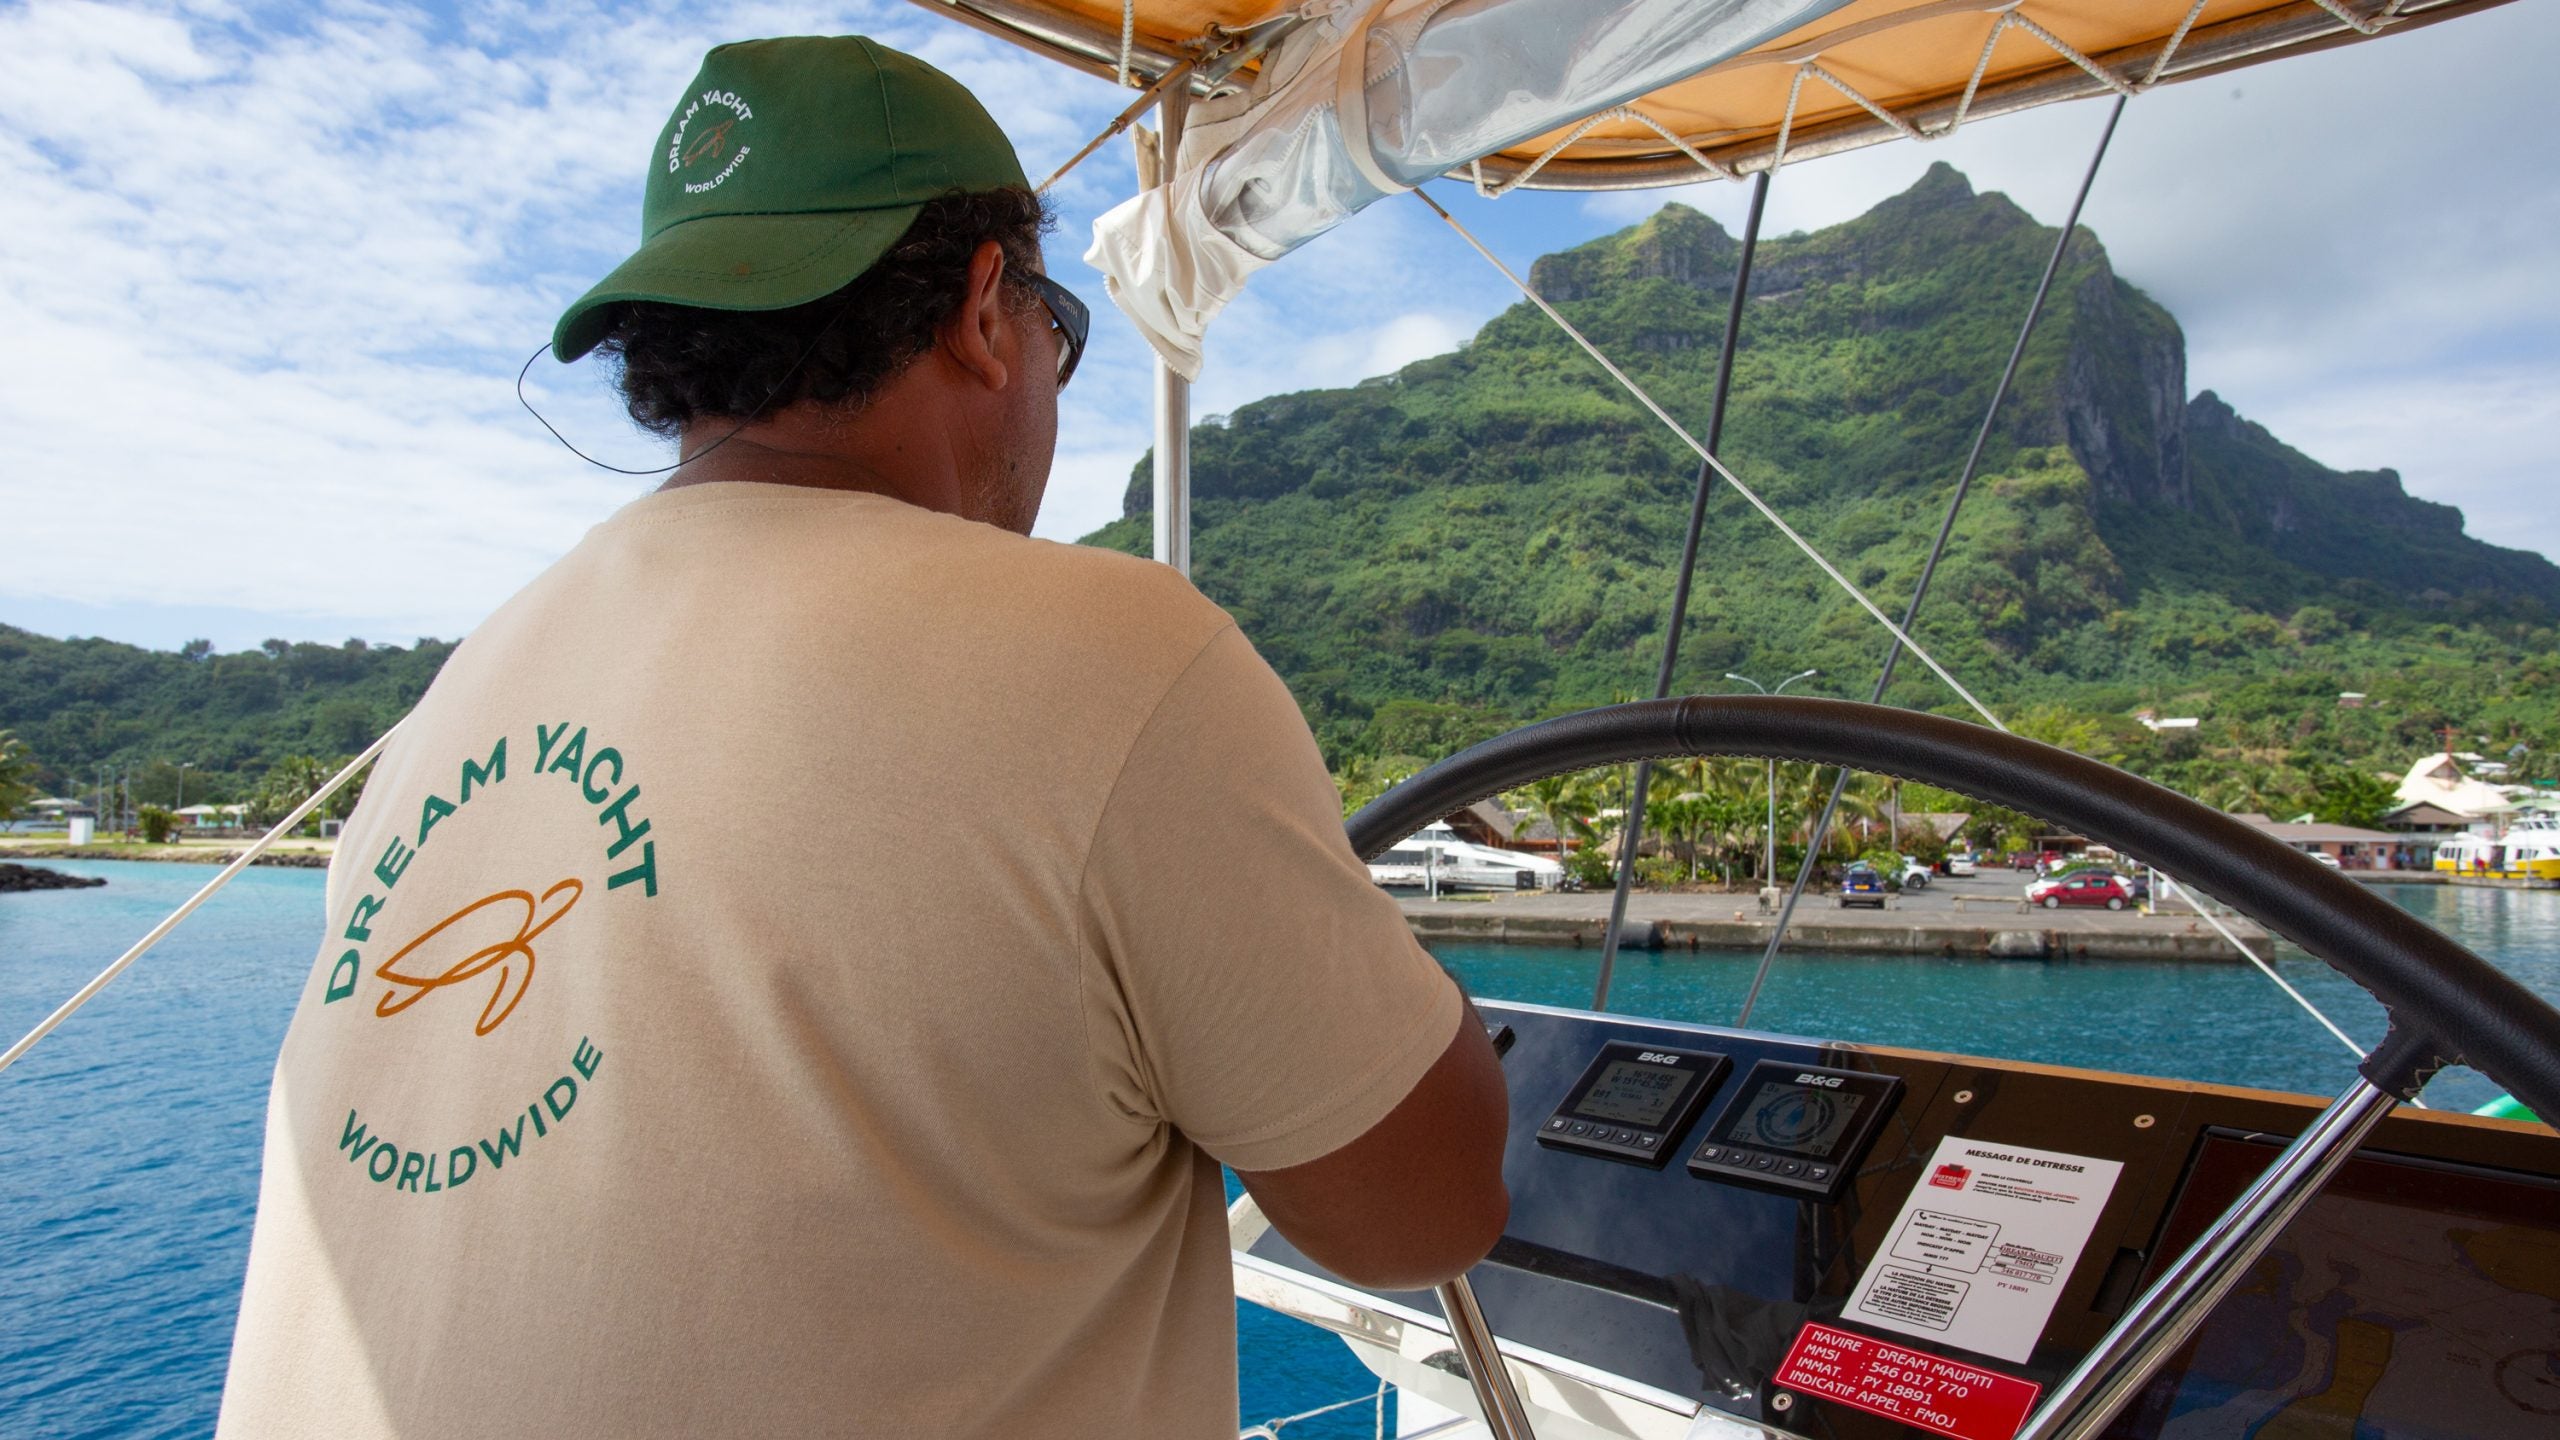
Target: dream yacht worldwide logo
[(706, 135), (411, 931)]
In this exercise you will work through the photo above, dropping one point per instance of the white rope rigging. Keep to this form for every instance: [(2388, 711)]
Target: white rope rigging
[(1128, 38), (2177, 38), (2352, 20), (1624, 113), (1787, 121), (1637, 391), (2269, 971), (284, 827)]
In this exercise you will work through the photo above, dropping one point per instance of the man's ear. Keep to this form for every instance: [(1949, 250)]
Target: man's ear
[(980, 337)]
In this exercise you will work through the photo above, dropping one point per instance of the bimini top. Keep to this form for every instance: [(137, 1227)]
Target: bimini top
[(1288, 140), (1874, 70)]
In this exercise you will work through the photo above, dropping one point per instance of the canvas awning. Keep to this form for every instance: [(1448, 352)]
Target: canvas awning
[(1585, 94)]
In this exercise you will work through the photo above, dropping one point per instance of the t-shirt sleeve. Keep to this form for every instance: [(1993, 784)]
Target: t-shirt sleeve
[(1248, 984)]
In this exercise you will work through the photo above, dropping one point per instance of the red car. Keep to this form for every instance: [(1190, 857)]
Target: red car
[(2086, 888)]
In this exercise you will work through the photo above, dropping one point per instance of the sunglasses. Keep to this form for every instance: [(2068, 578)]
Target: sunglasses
[(1068, 314)]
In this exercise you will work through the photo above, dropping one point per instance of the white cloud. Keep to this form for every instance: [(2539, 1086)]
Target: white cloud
[(260, 345)]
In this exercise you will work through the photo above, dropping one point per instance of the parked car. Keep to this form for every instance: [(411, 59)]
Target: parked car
[(1961, 865), (1914, 875), (2325, 858), (1862, 886), (2086, 887)]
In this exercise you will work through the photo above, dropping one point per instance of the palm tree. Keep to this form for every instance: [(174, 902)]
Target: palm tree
[(2263, 789), (289, 782), (1566, 802), (15, 765), (1364, 778)]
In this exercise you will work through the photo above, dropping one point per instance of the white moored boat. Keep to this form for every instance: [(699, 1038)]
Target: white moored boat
[(1434, 857)]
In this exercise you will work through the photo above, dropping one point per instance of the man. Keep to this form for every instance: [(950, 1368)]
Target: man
[(799, 968)]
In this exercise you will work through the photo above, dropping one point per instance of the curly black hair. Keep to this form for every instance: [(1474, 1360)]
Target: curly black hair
[(676, 364)]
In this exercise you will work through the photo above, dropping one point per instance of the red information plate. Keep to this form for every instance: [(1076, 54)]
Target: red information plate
[(1928, 1392)]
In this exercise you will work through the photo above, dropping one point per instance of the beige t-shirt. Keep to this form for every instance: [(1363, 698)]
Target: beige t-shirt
[(796, 973)]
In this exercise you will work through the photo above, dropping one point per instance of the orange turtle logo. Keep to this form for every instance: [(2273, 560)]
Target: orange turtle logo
[(420, 968), (710, 144)]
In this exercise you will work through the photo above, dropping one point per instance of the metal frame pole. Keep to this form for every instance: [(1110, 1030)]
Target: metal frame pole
[(1769, 874), (2085, 1402), (1928, 570), (1632, 834), (1504, 1415), (1173, 393)]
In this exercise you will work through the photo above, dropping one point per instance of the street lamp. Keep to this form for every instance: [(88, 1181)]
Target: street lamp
[(1769, 871)]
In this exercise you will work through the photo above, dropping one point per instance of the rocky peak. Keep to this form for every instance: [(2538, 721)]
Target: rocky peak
[(1942, 187), (1675, 243)]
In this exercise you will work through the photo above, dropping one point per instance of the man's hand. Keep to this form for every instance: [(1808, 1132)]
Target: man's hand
[(1419, 1197)]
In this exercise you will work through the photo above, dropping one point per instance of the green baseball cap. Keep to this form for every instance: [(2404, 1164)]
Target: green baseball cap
[(787, 169)]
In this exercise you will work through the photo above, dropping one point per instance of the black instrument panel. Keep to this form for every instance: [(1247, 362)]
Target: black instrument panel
[(1693, 1280), (1797, 1128), (1606, 1250), (1634, 1102)]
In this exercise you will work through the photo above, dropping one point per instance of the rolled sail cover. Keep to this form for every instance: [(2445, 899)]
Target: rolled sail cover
[(1440, 83)]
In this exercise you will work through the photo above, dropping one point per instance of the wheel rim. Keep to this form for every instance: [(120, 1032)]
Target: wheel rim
[(2468, 1011)]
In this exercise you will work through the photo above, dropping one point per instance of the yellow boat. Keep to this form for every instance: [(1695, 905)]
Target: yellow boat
[(2530, 850)]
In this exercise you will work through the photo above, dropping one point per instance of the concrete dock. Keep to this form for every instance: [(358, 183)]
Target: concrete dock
[(1969, 915)]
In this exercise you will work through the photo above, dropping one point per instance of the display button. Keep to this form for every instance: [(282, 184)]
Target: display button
[(1581, 1129), (1791, 1167), (1648, 1141), (1738, 1159), (1711, 1153), (1624, 1137), (1557, 1123), (1817, 1172), (1764, 1162)]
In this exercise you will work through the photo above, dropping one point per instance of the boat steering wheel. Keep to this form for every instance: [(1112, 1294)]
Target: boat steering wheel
[(2442, 999), (2446, 1005)]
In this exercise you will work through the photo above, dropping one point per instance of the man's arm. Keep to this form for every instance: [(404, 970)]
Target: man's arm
[(1417, 1198), (1255, 991)]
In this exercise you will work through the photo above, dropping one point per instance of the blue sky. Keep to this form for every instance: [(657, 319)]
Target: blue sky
[(271, 271)]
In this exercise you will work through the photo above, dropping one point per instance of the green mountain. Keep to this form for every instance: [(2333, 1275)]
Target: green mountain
[(1490, 536)]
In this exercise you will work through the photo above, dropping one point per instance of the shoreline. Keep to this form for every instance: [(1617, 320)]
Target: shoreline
[(169, 854), (1926, 925)]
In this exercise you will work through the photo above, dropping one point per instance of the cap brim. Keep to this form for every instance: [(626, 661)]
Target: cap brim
[(737, 262)]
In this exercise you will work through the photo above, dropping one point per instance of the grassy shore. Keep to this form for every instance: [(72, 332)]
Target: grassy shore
[(297, 851)]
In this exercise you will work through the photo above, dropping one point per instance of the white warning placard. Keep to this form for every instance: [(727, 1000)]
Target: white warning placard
[(1983, 1246)]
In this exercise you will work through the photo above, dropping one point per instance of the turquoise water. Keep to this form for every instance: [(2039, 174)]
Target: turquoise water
[(129, 1140)]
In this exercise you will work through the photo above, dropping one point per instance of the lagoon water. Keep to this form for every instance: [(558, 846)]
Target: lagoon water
[(129, 1139)]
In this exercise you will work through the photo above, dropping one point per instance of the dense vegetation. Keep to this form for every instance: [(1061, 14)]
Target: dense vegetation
[(246, 727), (1489, 536)]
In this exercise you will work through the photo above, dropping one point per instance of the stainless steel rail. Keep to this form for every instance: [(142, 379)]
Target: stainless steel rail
[(1172, 460), (2086, 1400), (1503, 1413)]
